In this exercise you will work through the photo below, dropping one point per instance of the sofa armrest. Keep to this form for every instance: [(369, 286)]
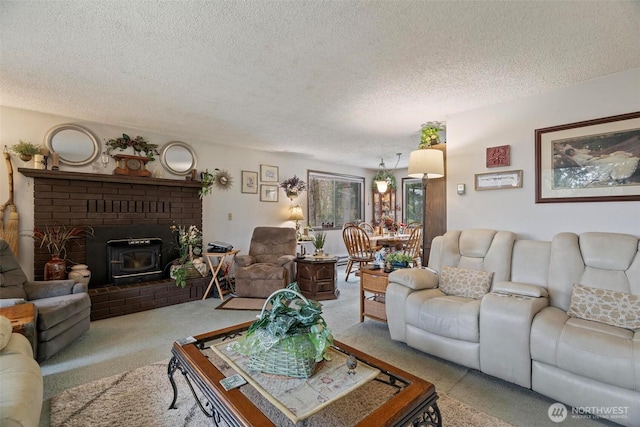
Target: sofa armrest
[(10, 302), (522, 289), (285, 259), (79, 288), (49, 288), (415, 278), (244, 260)]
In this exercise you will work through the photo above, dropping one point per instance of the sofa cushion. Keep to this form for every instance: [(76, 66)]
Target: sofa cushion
[(465, 283), (602, 305), (452, 317), (5, 331)]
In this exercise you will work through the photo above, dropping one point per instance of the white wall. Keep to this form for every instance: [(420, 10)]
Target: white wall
[(513, 123), (247, 210)]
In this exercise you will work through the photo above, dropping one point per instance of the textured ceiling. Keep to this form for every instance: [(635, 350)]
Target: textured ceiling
[(344, 81)]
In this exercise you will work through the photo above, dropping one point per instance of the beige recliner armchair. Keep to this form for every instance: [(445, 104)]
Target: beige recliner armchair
[(63, 307), (270, 264)]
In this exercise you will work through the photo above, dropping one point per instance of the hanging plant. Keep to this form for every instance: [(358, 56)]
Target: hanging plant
[(429, 135), (384, 176), (207, 180)]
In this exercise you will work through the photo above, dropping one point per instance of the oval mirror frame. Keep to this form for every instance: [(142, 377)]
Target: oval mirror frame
[(178, 158), (89, 148)]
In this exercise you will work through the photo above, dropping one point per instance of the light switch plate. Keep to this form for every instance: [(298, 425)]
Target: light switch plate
[(461, 189)]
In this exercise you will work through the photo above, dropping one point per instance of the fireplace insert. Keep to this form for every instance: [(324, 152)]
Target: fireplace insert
[(134, 260)]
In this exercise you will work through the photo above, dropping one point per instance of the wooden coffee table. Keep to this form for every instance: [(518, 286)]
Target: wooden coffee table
[(413, 401)]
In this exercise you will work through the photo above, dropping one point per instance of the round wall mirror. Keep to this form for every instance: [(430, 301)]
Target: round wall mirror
[(178, 158), (75, 145)]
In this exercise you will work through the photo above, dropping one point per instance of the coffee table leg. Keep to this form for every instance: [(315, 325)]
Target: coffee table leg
[(174, 364), (430, 417), (171, 368)]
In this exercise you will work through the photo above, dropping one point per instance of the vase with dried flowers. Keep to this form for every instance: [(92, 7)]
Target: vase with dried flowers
[(56, 239)]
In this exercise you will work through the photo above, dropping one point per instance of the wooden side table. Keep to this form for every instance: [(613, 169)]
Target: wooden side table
[(373, 281), (23, 321), (221, 258), (316, 277)]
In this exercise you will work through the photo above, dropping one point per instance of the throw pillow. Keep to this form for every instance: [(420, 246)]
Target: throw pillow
[(465, 283), (5, 331), (605, 306)]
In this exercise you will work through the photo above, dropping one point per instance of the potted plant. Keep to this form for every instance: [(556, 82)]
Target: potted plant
[(56, 238), (318, 239), (399, 259), (429, 135), (189, 264), (139, 146), (293, 186), (25, 150), (385, 175)]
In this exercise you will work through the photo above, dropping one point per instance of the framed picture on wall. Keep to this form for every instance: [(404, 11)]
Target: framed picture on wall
[(268, 193), (498, 180), (249, 182), (268, 173), (590, 161)]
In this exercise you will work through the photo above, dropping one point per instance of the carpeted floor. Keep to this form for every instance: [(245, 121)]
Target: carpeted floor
[(141, 398)]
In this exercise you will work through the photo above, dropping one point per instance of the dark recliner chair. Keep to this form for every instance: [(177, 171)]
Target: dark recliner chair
[(270, 264), (63, 307)]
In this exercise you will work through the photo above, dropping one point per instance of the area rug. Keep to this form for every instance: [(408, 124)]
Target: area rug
[(141, 398), (239, 303)]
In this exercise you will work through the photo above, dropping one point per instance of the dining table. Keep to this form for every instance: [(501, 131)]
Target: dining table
[(392, 242)]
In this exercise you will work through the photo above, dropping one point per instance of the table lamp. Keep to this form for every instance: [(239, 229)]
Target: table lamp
[(426, 163), (297, 216)]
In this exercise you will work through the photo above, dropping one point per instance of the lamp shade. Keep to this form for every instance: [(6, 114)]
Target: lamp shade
[(426, 161), (382, 186), (296, 214)]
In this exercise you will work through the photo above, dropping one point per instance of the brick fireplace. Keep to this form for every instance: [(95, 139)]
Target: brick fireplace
[(115, 202)]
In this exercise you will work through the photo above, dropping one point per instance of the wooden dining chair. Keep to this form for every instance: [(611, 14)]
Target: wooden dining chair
[(358, 246), (368, 228), (413, 245)]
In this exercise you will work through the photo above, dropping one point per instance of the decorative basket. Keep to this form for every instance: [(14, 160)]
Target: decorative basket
[(294, 355)]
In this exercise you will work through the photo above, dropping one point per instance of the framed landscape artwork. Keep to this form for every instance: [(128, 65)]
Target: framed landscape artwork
[(268, 193), (591, 161), (250, 182)]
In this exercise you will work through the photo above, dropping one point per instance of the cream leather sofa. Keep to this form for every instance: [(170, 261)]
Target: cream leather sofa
[(21, 387), (520, 330)]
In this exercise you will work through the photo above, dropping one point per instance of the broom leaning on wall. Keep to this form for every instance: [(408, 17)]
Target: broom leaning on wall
[(10, 232)]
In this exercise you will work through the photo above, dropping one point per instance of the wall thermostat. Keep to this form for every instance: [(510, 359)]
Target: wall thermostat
[(461, 189)]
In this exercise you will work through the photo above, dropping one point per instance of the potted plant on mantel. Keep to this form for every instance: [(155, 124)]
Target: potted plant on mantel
[(135, 165), (25, 150)]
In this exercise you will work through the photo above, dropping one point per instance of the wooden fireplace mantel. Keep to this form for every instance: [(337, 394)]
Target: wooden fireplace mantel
[(83, 176)]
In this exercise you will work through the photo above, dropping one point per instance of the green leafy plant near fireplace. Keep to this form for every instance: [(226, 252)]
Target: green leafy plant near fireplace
[(189, 264)]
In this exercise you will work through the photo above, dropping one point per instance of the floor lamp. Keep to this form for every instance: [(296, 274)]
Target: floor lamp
[(426, 163)]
